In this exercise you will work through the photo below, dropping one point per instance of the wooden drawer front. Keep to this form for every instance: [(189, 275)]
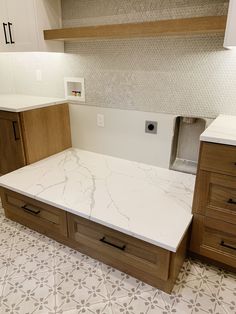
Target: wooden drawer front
[(117, 249), (34, 214), (222, 203), (218, 158), (216, 196), (214, 239)]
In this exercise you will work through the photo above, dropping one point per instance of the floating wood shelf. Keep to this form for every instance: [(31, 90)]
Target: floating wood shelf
[(189, 26)]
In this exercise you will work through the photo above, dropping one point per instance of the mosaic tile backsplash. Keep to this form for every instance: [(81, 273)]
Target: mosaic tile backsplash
[(179, 75), (183, 75)]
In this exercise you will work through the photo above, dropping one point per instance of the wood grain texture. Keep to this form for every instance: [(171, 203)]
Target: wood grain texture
[(137, 253), (213, 205), (147, 262), (50, 220), (46, 131), (160, 271), (218, 158), (206, 238), (11, 143), (215, 196), (189, 26)]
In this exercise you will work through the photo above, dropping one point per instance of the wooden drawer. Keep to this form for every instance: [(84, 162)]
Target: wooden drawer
[(35, 215), (215, 196), (214, 239), (126, 253), (218, 158)]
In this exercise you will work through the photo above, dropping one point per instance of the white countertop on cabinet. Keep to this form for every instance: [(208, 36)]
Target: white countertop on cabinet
[(147, 202), (222, 131), (18, 103)]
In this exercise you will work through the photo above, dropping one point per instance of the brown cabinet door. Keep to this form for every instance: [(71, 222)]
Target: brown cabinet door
[(45, 131), (11, 145)]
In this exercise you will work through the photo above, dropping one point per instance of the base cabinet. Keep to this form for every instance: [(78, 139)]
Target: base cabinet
[(214, 239), (29, 136), (36, 215), (149, 263), (214, 206), (12, 155)]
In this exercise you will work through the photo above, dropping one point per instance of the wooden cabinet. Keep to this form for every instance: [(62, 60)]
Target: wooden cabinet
[(147, 262), (22, 23), (125, 252), (11, 144), (29, 136), (36, 215), (214, 239), (214, 205)]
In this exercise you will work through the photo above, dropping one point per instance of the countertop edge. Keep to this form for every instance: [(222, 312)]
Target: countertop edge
[(32, 107), (217, 140), (89, 217)]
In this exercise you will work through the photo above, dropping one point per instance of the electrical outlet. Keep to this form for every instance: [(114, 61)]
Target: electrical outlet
[(38, 75), (100, 120), (151, 127)]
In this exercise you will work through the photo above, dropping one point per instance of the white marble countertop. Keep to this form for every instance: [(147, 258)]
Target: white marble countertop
[(222, 131), (147, 202), (18, 103)]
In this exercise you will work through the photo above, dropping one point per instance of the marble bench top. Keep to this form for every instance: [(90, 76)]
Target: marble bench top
[(19, 103), (147, 202), (222, 131)]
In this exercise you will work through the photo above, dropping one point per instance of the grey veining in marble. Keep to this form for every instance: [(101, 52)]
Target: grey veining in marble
[(150, 203)]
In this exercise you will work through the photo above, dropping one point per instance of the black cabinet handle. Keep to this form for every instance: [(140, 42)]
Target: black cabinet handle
[(231, 201), (15, 130), (222, 243), (5, 33), (122, 248), (31, 210), (9, 27)]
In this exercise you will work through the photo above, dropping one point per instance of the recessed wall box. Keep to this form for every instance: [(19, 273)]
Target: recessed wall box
[(74, 89)]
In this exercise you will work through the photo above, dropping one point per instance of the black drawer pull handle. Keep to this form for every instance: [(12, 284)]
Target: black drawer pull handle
[(9, 27), (122, 248), (31, 210), (231, 201), (222, 243), (15, 130), (5, 33)]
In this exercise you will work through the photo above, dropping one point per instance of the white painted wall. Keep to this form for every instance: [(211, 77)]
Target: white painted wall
[(123, 135)]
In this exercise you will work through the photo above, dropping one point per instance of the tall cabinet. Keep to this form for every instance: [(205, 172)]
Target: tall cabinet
[(22, 24)]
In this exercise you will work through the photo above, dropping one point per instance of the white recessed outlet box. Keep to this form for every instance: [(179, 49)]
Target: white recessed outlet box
[(100, 120), (74, 89)]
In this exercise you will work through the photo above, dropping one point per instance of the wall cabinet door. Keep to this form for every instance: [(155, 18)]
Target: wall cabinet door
[(22, 25), (24, 22), (11, 144), (4, 35)]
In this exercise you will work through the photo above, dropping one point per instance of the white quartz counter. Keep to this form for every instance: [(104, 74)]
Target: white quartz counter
[(18, 103), (222, 131), (149, 203)]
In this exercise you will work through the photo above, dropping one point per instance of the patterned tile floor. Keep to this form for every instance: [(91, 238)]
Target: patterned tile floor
[(39, 275)]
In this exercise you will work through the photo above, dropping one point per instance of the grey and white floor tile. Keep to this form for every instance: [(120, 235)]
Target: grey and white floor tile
[(40, 276)]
